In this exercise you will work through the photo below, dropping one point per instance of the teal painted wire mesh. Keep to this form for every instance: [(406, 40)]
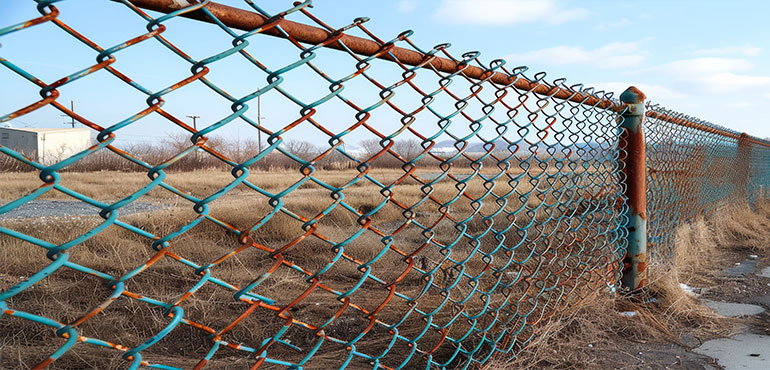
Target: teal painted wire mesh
[(453, 255), (759, 174), (691, 170)]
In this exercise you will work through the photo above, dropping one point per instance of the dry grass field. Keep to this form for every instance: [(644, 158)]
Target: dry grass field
[(420, 255)]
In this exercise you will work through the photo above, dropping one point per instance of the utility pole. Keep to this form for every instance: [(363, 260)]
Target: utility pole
[(259, 123), (194, 118), (72, 120)]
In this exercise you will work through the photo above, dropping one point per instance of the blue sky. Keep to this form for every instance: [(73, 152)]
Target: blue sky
[(704, 58)]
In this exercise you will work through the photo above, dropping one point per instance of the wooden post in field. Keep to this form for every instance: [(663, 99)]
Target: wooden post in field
[(633, 162)]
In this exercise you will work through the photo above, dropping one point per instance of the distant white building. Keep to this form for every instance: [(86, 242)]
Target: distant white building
[(46, 145)]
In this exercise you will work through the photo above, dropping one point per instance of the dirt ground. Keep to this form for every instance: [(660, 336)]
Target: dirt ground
[(748, 289), (675, 352)]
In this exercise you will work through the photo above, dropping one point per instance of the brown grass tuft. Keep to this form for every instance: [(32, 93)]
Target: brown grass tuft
[(744, 226)]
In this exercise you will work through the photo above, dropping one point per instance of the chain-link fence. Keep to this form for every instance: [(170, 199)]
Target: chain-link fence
[(421, 211), (692, 167)]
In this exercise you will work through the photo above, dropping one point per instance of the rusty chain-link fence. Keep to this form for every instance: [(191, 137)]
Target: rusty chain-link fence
[(694, 165), (436, 212)]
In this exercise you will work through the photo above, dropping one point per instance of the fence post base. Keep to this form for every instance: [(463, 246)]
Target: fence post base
[(633, 163)]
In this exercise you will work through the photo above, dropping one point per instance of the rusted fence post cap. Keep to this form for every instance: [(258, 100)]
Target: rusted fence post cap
[(632, 95), (633, 101)]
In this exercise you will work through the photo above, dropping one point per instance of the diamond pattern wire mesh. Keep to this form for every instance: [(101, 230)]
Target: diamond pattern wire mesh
[(759, 176), (467, 270), (693, 168), (458, 256)]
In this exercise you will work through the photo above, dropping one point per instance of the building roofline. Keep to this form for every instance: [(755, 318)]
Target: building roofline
[(46, 130)]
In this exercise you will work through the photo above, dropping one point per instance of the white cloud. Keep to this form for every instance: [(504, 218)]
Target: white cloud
[(748, 50), (613, 24), (704, 65), (739, 104), (654, 92), (713, 75), (406, 6), (566, 15), (727, 82), (612, 55), (506, 12)]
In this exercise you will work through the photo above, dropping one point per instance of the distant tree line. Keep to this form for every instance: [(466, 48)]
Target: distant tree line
[(241, 150)]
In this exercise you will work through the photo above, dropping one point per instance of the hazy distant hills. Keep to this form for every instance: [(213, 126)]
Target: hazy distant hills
[(591, 150)]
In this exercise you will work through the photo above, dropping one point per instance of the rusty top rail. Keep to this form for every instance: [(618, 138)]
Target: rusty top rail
[(247, 21), (687, 123), (704, 127)]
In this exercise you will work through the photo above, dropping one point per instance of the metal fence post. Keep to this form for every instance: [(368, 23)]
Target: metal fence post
[(743, 167), (633, 163)]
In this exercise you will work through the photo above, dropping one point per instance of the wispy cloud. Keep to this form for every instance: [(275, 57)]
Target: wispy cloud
[(739, 104), (703, 65), (612, 24), (747, 50), (656, 92), (406, 6), (712, 75), (507, 12), (612, 55)]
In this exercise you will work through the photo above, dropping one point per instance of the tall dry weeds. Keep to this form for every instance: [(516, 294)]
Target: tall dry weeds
[(664, 311), (744, 226)]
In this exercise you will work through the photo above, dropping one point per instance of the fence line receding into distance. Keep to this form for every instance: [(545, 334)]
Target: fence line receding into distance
[(486, 201)]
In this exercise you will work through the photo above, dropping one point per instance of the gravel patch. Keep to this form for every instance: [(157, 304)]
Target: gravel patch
[(61, 208)]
